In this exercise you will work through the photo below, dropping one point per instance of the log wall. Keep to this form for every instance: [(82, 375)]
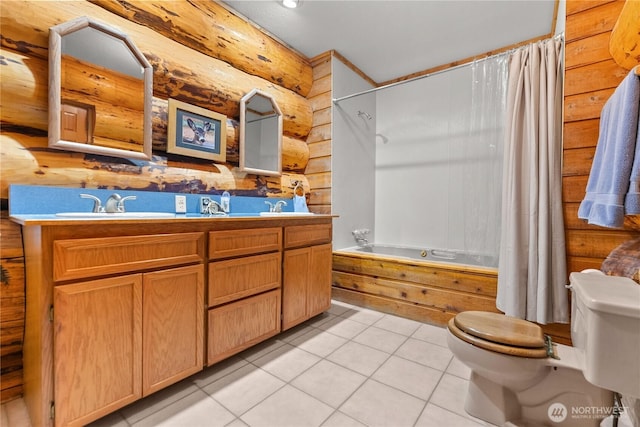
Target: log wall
[(318, 169), (591, 77), (201, 54)]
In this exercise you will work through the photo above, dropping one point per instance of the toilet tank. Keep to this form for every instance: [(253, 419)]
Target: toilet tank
[(605, 329)]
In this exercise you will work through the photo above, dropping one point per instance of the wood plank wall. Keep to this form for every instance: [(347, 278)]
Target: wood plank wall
[(318, 170), (591, 77)]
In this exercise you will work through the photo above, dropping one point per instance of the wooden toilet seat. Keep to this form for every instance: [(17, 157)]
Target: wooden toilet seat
[(499, 333)]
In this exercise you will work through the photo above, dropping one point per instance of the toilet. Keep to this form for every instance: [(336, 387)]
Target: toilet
[(515, 379)]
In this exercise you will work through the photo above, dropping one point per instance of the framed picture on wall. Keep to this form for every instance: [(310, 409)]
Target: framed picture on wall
[(196, 132)]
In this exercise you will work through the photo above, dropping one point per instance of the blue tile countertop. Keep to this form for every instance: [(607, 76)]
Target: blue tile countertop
[(44, 202)]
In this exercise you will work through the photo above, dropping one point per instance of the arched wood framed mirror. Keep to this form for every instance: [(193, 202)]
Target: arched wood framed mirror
[(100, 91), (260, 134)]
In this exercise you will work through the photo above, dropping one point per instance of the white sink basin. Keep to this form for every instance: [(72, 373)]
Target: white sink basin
[(115, 215), (286, 213)]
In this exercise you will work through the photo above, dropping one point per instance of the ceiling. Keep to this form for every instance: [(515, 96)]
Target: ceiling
[(389, 39)]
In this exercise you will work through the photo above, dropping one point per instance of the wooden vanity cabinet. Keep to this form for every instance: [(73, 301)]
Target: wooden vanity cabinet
[(306, 286), (121, 338), (118, 310), (244, 289)]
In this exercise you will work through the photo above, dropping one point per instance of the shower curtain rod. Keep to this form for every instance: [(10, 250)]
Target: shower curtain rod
[(424, 76)]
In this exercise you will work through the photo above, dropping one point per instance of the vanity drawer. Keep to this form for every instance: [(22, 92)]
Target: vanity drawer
[(239, 325), (237, 278), (307, 235), (82, 258), (230, 243)]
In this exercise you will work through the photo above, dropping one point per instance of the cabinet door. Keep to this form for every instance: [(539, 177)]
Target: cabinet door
[(97, 348), (173, 322), (295, 275), (239, 325), (319, 284)]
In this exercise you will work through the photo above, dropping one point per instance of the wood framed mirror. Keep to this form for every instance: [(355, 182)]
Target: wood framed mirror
[(260, 134), (100, 91)]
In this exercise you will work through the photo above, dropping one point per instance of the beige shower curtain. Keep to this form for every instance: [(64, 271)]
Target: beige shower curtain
[(532, 268)]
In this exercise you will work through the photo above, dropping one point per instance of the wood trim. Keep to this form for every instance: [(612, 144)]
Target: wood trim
[(232, 243), (307, 235), (237, 278), (82, 258)]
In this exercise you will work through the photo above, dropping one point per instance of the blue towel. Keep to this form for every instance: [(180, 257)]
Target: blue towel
[(604, 203), (632, 200)]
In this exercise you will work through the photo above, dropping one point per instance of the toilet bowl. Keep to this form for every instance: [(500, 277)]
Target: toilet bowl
[(514, 381)]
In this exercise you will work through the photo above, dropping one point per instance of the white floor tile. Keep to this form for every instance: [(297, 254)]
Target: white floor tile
[(433, 334), (338, 307), (287, 362), (112, 420), (257, 351), (318, 342), (195, 410), (342, 327), (338, 419), (328, 382), (435, 416), (428, 354), (380, 339), (410, 377), (398, 325), (14, 414), (357, 357), (363, 315), (458, 369), (288, 407), (450, 394), (244, 388), (157, 401), (217, 371), (375, 404)]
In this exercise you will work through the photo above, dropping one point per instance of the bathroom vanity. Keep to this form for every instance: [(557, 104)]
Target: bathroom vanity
[(118, 309)]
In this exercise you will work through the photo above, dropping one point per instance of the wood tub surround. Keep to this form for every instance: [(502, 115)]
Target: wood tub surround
[(425, 291), (119, 309)]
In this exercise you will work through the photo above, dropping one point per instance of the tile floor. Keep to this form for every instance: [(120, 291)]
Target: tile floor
[(348, 367)]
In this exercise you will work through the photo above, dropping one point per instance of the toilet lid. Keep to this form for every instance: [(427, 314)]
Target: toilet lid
[(500, 329)]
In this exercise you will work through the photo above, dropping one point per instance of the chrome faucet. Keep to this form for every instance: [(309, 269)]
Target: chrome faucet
[(214, 208), (115, 203), (97, 204), (276, 207), (359, 236)]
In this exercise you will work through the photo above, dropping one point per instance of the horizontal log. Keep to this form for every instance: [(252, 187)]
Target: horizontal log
[(95, 82), (592, 21), (446, 277), (392, 306), (587, 51), (585, 106), (425, 295), (32, 163), (24, 103), (593, 77), (595, 244), (295, 152), (11, 235), (581, 134), (212, 30), (179, 72), (577, 161), (625, 36)]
